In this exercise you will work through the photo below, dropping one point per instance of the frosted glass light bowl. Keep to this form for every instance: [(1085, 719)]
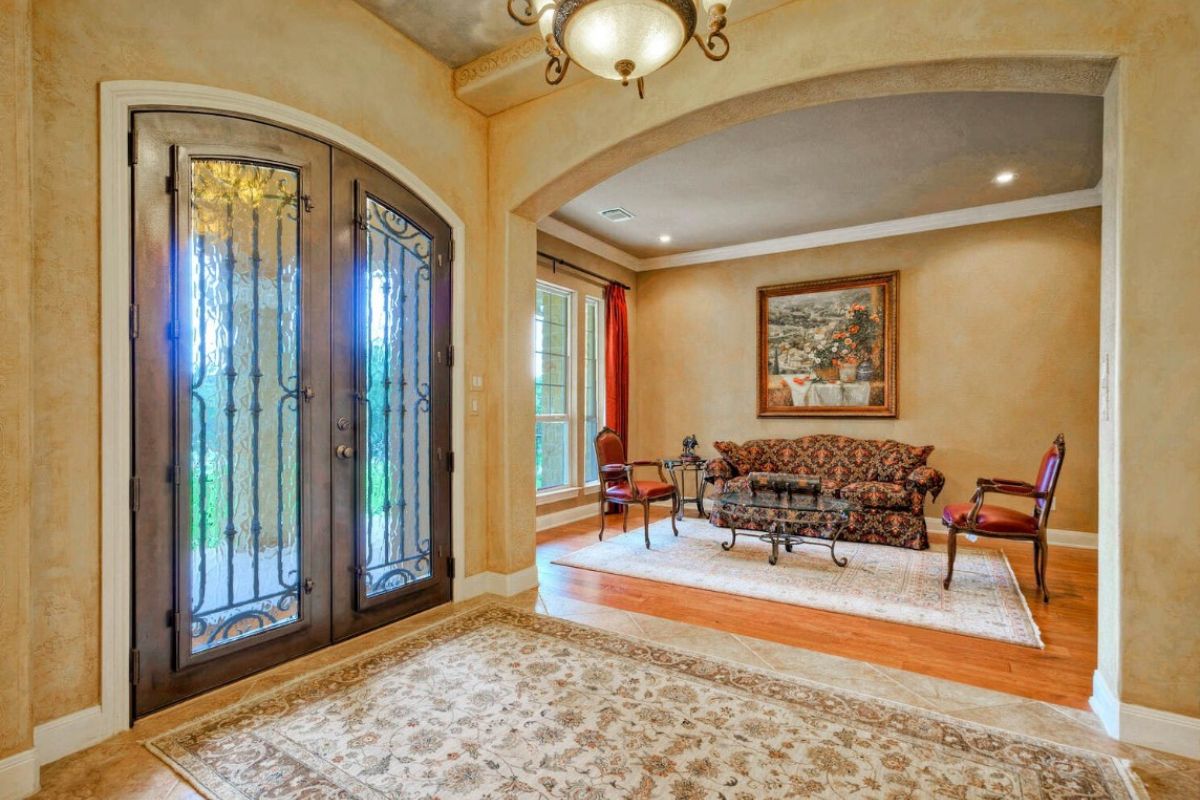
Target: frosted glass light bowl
[(639, 35)]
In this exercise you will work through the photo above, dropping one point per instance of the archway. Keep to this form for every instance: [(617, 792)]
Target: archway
[(514, 246)]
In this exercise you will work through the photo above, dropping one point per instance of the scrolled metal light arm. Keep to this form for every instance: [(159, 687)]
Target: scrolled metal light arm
[(556, 69), (531, 16), (716, 33)]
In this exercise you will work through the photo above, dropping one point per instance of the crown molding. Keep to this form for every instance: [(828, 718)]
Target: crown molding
[(995, 212), (590, 243)]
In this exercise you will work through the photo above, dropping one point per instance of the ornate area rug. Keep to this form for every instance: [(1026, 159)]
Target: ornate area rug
[(500, 703), (889, 583)]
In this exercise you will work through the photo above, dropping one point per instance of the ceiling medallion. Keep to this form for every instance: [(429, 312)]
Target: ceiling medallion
[(622, 40)]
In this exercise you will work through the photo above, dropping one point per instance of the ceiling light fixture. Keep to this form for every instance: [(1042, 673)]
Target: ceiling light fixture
[(622, 40), (1004, 178), (665, 238)]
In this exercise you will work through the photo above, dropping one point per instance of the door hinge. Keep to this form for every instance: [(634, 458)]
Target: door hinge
[(450, 356), (173, 329), (133, 147), (172, 183), (173, 620), (450, 461), (175, 475), (450, 566), (135, 666), (134, 320), (135, 493), (451, 249), (359, 222), (308, 203)]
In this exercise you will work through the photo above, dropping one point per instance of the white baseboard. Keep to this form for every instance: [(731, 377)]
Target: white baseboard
[(496, 583), (19, 775), (556, 518), (1105, 705), (1142, 726), (66, 735), (1080, 540)]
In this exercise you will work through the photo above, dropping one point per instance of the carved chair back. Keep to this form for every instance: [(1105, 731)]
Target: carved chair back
[(610, 452), (1047, 480)]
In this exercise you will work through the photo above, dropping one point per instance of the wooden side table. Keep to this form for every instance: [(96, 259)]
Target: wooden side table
[(680, 469)]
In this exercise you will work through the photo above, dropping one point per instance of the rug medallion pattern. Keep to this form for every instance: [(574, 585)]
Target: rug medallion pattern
[(500, 703)]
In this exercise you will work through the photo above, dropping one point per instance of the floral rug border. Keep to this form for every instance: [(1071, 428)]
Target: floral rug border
[(897, 719)]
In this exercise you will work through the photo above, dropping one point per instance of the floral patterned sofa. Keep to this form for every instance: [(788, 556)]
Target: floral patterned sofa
[(888, 479)]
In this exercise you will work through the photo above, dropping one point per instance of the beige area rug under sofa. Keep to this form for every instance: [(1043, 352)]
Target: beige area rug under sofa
[(498, 702), (888, 583)]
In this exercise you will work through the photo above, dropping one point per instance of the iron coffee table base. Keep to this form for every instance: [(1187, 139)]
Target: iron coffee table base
[(789, 540)]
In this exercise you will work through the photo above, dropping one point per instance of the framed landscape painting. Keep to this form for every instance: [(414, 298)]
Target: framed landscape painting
[(828, 348)]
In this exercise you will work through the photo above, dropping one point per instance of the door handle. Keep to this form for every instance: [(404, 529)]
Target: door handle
[(344, 452)]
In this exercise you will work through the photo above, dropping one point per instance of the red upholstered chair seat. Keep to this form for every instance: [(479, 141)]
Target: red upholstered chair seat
[(653, 490), (993, 519)]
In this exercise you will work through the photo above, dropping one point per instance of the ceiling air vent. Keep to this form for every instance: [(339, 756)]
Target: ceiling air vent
[(616, 215)]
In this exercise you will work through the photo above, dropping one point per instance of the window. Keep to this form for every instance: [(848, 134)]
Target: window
[(568, 368), (593, 385), (552, 374)]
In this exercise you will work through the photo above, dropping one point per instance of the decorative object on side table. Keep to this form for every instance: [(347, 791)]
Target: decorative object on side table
[(827, 348), (689, 448), (1006, 523)]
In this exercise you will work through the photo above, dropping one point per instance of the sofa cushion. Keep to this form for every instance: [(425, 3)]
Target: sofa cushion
[(878, 494), (761, 455), (895, 461), (841, 459)]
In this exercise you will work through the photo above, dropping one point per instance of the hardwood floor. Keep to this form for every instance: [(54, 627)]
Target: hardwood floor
[(1061, 673)]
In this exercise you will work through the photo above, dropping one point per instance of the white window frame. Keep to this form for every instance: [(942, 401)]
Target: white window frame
[(593, 487), (570, 488)]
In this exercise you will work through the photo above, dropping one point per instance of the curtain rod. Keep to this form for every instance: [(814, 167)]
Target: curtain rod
[(555, 263)]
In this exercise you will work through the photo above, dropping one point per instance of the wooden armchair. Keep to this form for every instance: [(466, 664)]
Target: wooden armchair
[(981, 519), (618, 486)]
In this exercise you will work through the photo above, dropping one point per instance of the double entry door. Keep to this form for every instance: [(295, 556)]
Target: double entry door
[(290, 327)]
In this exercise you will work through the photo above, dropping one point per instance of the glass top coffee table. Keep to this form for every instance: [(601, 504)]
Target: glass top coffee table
[(785, 518)]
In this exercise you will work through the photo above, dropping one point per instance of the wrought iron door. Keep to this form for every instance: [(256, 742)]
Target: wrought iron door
[(391, 400), (240, 561)]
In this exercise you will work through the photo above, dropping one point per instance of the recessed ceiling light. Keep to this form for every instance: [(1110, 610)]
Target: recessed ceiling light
[(665, 238), (1004, 178)]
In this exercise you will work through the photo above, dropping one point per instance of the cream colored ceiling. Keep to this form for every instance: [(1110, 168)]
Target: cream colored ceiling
[(846, 164)]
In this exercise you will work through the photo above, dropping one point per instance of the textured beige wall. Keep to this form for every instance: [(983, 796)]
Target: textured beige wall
[(998, 331), (546, 151), (16, 395), (612, 271), (332, 59)]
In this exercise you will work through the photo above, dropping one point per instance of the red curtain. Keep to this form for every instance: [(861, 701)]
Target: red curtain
[(616, 362)]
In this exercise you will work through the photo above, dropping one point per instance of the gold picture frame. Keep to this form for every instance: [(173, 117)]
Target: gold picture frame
[(827, 348)]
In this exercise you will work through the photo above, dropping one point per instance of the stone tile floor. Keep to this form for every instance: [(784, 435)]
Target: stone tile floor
[(122, 768)]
